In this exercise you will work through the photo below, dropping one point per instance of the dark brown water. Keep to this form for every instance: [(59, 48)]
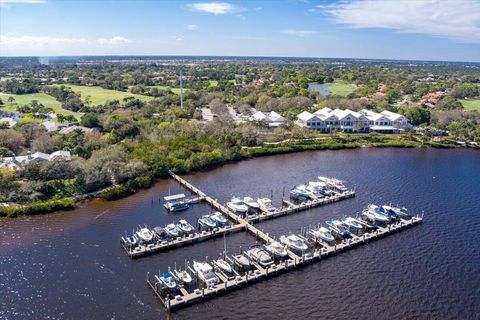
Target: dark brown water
[(70, 265)]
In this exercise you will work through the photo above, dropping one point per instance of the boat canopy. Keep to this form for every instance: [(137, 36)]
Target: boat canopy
[(174, 197)]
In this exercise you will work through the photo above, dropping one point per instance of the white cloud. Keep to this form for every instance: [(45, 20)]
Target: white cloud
[(9, 3), (113, 40), (192, 27), (179, 38), (33, 41), (215, 8), (299, 33), (457, 20)]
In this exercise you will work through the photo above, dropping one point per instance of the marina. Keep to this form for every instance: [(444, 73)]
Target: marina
[(321, 250), (239, 222), (274, 257)]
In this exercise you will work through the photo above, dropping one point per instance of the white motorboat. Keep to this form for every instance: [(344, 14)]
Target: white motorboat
[(276, 249), (337, 227), (400, 212), (130, 241), (251, 203), (144, 235), (294, 242), (317, 188), (172, 230), (205, 273), (183, 276), (237, 205), (207, 221), (265, 204), (353, 224), (322, 233), (219, 219), (241, 261), (224, 266), (184, 227), (168, 281), (334, 183), (260, 256), (374, 216)]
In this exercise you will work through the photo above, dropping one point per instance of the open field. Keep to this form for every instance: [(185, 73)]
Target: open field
[(99, 95), (473, 104), (173, 89), (341, 88), (45, 99)]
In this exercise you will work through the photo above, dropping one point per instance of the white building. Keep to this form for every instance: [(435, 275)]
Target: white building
[(386, 121), (16, 162), (9, 121), (328, 120), (272, 119)]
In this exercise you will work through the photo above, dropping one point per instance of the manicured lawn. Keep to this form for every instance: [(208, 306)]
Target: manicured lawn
[(45, 99), (473, 104), (341, 88), (173, 89), (99, 95)]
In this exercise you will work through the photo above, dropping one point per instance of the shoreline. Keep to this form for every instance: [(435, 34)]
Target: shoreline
[(131, 187)]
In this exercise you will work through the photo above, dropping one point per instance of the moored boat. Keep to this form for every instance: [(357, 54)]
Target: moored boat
[(375, 216), (172, 230), (224, 266), (353, 224), (322, 233), (260, 256), (293, 242), (205, 273), (219, 219), (207, 222), (337, 228), (252, 204), (183, 276), (241, 261), (265, 204), (237, 205), (184, 227), (144, 235), (168, 281), (276, 249)]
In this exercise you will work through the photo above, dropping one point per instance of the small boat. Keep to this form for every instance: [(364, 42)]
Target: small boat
[(168, 281), (400, 212), (160, 233), (252, 204), (260, 256), (385, 210), (241, 261), (130, 241), (375, 216), (237, 205), (322, 233), (299, 194), (337, 227), (276, 249), (317, 188), (176, 203), (219, 219), (353, 224), (294, 242), (224, 266), (172, 230), (205, 273), (265, 205), (184, 227), (207, 222), (334, 183), (144, 235), (183, 276)]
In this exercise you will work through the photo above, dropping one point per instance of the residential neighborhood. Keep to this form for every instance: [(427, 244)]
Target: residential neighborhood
[(18, 162)]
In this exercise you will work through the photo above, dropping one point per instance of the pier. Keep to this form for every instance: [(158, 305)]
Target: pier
[(186, 298), (239, 223)]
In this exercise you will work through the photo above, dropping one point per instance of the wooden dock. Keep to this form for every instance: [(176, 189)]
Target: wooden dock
[(294, 262)]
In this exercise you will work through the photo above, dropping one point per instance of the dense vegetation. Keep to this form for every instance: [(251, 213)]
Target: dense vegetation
[(142, 135)]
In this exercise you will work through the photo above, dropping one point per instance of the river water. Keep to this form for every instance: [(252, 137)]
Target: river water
[(69, 265)]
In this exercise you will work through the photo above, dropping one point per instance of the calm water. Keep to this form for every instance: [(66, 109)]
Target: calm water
[(70, 265), (321, 88)]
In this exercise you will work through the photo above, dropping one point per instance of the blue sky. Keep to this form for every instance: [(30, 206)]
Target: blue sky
[(403, 29)]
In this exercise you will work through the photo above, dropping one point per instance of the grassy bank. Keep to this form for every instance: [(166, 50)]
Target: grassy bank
[(99, 96), (37, 207)]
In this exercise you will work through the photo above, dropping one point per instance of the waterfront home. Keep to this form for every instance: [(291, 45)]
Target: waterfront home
[(271, 119), (328, 120), (386, 121), (17, 162)]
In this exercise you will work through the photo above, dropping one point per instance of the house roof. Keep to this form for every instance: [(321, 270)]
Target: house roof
[(392, 115), (11, 122), (70, 129), (306, 116)]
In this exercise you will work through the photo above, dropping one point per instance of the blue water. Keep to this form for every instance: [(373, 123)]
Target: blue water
[(70, 265), (321, 88)]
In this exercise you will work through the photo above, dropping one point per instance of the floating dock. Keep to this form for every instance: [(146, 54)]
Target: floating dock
[(293, 262)]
